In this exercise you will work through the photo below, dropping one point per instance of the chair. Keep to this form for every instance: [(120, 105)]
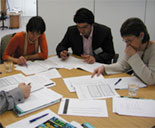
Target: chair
[(116, 56), (4, 42), (3, 18)]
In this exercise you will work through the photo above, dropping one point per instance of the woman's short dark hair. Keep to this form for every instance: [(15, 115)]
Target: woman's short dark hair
[(36, 24), (84, 15), (134, 26)]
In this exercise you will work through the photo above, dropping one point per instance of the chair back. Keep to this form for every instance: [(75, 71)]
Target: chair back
[(116, 56), (4, 42), (3, 17)]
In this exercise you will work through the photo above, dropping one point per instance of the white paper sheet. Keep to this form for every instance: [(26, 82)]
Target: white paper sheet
[(50, 74), (89, 67), (123, 84), (38, 80), (134, 107), (48, 63), (24, 123), (70, 63), (76, 107)]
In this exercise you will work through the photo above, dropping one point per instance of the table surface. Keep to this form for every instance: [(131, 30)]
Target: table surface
[(113, 121), (14, 14)]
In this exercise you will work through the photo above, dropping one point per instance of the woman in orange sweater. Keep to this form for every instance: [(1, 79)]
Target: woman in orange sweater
[(25, 46)]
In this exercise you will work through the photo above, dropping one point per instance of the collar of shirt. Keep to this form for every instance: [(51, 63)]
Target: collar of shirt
[(91, 33)]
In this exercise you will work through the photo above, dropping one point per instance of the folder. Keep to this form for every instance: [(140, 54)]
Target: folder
[(38, 100)]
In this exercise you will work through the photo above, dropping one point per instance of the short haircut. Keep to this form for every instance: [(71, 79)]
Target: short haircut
[(134, 26), (84, 15), (36, 24)]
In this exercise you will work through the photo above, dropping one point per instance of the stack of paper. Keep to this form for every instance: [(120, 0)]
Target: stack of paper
[(94, 108), (134, 107), (37, 100)]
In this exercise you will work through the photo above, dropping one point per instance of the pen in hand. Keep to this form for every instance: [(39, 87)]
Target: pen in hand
[(117, 81), (32, 120), (26, 64), (29, 83)]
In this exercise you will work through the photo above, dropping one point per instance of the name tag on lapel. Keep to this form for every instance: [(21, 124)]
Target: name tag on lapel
[(98, 50)]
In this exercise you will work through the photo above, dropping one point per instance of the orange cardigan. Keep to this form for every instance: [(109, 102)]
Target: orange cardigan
[(15, 47)]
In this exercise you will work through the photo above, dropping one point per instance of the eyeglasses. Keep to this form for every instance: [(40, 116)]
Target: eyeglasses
[(129, 41)]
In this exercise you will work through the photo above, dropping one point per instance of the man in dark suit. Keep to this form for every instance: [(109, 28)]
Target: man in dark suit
[(88, 39)]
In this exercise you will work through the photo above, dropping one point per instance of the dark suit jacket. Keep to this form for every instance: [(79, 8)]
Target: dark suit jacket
[(102, 43)]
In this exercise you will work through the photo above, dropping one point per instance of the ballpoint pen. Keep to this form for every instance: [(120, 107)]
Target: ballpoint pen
[(26, 64), (29, 83), (32, 120), (117, 81)]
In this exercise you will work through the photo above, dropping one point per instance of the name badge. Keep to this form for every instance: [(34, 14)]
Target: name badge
[(98, 50)]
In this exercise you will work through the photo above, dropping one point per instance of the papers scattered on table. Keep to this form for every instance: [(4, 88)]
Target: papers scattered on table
[(76, 107), (90, 88), (134, 107), (26, 124), (73, 62), (55, 62), (124, 81), (37, 100)]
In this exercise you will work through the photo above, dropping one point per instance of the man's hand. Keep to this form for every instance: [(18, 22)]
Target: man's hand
[(98, 71), (25, 89), (21, 60), (64, 55), (130, 50), (89, 59)]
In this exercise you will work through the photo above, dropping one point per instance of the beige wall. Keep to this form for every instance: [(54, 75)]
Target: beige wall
[(0, 5)]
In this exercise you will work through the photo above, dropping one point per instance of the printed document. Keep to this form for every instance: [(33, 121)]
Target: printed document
[(11, 82), (77, 107), (134, 107), (90, 88), (37, 82)]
